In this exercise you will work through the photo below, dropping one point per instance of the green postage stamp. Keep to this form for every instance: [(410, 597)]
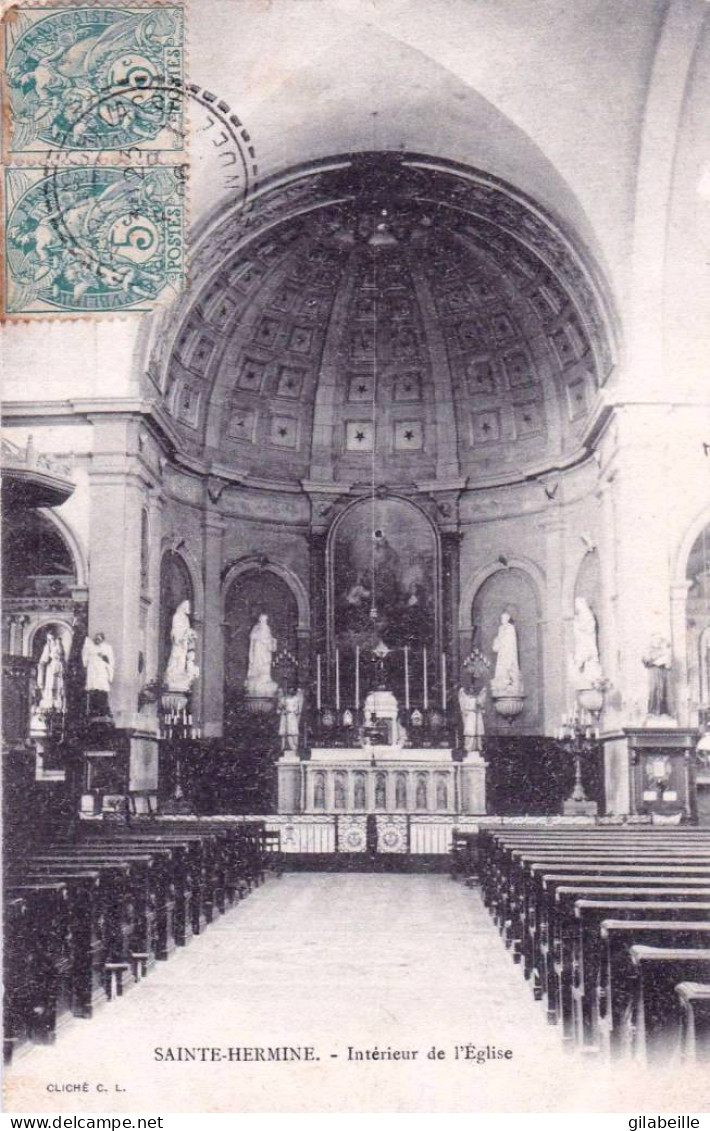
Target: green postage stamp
[(94, 79), (93, 240), (95, 158)]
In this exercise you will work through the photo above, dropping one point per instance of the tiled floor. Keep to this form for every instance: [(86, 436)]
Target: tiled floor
[(333, 962)]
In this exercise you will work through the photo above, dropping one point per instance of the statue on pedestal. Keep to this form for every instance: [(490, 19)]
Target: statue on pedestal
[(290, 708), (182, 670), (586, 666), (262, 646), (471, 705), (50, 674), (658, 661), (98, 660), (507, 678)]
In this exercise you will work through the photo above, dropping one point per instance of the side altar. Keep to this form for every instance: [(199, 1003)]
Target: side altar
[(396, 761)]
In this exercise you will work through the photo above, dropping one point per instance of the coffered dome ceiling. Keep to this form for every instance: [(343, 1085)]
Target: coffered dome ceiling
[(382, 316)]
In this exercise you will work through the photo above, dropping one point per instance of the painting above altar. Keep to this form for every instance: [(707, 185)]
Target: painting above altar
[(383, 577)]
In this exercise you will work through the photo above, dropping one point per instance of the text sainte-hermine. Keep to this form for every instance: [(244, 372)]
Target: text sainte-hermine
[(288, 1054)]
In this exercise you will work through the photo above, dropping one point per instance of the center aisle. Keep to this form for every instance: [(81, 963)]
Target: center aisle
[(359, 961)]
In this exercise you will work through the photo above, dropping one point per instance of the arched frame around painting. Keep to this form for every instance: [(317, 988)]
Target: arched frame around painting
[(383, 553)]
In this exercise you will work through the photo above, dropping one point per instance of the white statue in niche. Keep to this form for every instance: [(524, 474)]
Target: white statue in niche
[(182, 670), (507, 678), (471, 705), (50, 673), (587, 669), (290, 708), (262, 645)]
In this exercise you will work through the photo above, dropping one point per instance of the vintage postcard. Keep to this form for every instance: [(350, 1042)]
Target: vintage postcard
[(356, 556)]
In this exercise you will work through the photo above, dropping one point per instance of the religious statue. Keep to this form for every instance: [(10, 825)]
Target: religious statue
[(182, 670), (400, 791), (421, 799), (290, 708), (507, 677), (442, 793), (262, 645), (587, 669), (98, 660), (359, 792), (50, 674), (319, 791), (380, 791), (471, 705), (339, 798), (658, 660)]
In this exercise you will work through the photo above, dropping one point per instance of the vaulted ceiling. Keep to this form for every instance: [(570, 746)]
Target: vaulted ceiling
[(394, 321)]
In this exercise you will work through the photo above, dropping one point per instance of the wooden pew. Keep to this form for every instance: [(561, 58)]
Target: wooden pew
[(639, 918), (17, 958), (496, 851), (557, 936), (617, 977), (494, 845), (503, 895), (524, 922), (694, 998), (88, 923), (118, 908), (655, 1017), (41, 977), (156, 884)]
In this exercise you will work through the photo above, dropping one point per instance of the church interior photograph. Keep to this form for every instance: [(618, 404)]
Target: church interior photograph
[(356, 585)]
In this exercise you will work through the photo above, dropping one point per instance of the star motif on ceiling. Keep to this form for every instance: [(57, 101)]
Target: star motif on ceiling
[(408, 387), (409, 435), (527, 418), (359, 436), (486, 427), (283, 431), (290, 384), (362, 388)]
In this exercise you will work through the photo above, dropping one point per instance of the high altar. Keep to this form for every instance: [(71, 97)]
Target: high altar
[(385, 772)]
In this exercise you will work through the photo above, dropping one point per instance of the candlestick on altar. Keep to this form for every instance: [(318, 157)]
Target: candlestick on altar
[(406, 677), (318, 682), (337, 679), (357, 677), (426, 689), (443, 680)]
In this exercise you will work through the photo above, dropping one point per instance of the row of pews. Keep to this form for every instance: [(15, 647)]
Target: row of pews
[(87, 919), (611, 927)]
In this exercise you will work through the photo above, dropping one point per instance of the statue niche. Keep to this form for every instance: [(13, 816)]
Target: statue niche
[(261, 640)]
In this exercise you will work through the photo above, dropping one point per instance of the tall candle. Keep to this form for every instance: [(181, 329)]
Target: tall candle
[(357, 677), (406, 676), (318, 682), (426, 689), (443, 680), (337, 679)]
